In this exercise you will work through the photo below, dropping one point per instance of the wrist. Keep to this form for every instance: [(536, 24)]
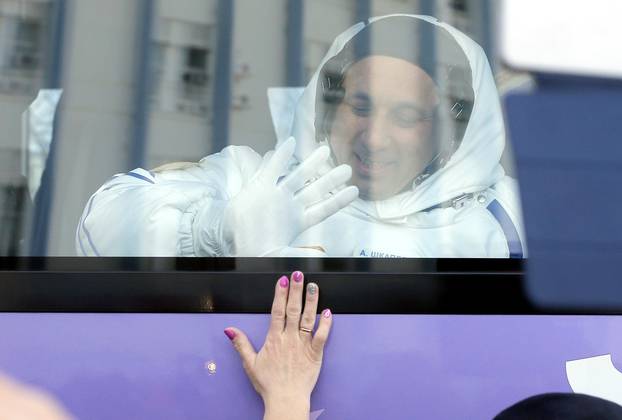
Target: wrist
[(213, 236), (290, 408)]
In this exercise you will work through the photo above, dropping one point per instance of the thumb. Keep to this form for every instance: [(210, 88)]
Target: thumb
[(242, 345)]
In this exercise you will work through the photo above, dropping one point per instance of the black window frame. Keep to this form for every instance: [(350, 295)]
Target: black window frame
[(245, 285)]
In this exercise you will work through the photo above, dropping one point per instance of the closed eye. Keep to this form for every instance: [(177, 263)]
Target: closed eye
[(407, 116), (361, 110), (360, 104)]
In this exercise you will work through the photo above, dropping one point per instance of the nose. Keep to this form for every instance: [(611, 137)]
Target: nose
[(377, 134)]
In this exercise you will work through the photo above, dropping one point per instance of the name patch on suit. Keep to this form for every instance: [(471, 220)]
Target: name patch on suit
[(373, 253)]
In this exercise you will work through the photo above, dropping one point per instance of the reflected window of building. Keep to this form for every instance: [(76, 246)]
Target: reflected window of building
[(22, 45), (181, 67)]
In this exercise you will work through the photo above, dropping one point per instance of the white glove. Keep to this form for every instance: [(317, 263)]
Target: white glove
[(270, 212)]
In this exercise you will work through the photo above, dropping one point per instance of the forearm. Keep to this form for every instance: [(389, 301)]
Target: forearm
[(287, 409)]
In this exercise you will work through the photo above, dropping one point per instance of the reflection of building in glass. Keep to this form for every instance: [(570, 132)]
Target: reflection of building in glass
[(23, 29), (101, 111), (14, 199)]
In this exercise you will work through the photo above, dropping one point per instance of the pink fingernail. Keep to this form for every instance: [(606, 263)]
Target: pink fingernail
[(326, 313), (283, 282), (230, 333), (297, 276)]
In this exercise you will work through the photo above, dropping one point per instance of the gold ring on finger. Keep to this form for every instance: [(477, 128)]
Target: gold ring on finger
[(306, 330)]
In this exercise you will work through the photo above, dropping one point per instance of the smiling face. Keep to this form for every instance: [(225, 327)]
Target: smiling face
[(383, 126)]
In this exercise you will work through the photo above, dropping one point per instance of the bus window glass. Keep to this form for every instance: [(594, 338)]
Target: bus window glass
[(338, 129)]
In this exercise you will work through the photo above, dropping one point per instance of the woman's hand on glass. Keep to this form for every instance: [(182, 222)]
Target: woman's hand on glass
[(285, 370)]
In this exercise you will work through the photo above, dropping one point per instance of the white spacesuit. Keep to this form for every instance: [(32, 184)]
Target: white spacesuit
[(344, 187)]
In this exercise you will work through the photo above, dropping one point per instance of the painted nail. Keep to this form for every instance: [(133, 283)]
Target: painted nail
[(230, 333), (326, 313), (283, 282), (297, 276), (311, 288)]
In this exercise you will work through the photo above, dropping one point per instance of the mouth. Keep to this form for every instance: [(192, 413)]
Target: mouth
[(371, 167)]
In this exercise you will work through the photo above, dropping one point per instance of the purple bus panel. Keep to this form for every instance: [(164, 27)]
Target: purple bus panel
[(163, 366)]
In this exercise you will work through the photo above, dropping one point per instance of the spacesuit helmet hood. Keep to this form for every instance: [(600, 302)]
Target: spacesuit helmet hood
[(468, 132), (434, 51)]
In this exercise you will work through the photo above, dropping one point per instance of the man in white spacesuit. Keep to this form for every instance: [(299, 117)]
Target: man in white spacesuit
[(392, 150)]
